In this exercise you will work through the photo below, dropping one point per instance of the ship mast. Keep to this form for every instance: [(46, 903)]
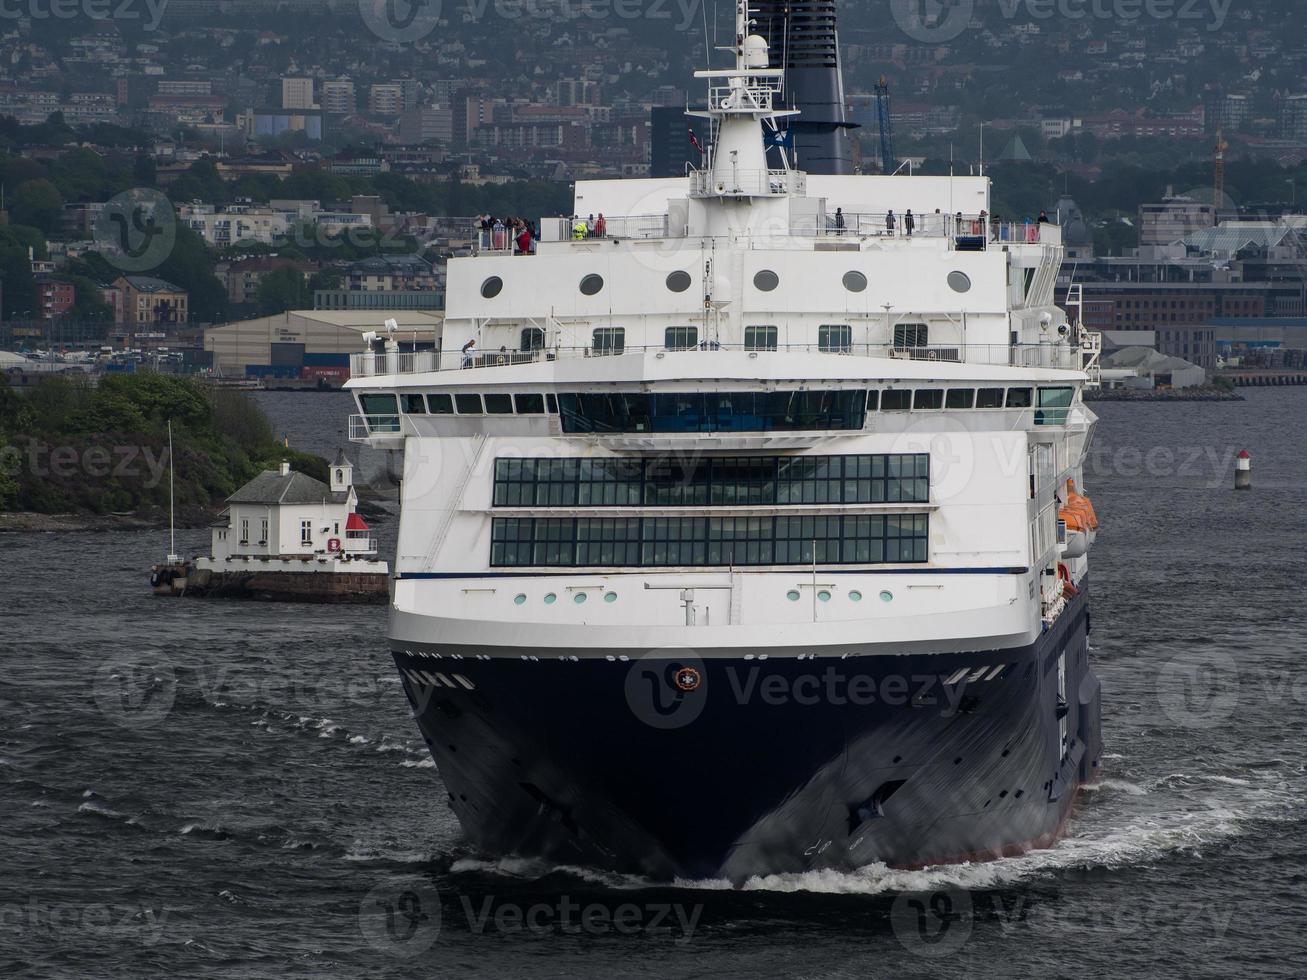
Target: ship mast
[(740, 99)]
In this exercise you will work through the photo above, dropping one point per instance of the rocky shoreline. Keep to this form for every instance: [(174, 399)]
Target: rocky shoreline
[(1198, 393)]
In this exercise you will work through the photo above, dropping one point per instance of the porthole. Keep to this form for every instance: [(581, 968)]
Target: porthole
[(519, 599), (959, 282), (579, 598), (855, 596), (855, 282), (887, 596), (678, 281), (610, 597), (792, 595), (766, 280), (492, 287), (591, 284), (550, 599), (824, 595)]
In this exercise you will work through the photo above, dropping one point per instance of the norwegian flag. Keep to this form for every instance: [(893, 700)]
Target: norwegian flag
[(694, 140)]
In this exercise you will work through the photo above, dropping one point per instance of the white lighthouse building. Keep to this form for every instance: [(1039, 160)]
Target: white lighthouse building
[(291, 522)]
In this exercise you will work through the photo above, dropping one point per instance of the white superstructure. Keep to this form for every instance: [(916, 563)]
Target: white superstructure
[(740, 282)]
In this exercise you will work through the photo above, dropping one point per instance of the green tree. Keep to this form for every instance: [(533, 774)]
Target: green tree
[(281, 290), (38, 204)]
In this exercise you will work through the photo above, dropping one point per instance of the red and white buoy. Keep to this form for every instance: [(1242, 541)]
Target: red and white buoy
[(1243, 470)]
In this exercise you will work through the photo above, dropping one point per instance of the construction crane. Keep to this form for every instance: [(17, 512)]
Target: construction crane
[(1218, 170), (886, 126)]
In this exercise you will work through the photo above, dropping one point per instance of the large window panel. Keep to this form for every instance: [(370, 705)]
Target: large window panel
[(717, 481), (660, 542)]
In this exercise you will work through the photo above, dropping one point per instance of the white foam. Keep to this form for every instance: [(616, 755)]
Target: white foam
[(427, 763)]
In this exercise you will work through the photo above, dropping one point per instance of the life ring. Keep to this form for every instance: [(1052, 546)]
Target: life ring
[(1064, 574)]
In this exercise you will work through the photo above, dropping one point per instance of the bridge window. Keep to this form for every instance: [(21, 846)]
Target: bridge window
[(713, 412), (989, 398), (709, 541), (681, 338), (378, 404), (414, 404), (530, 404), (760, 338), (440, 404), (835, 338), (960, 398), (468, 404), (609, 340), (499, 404), (928, 398), (897, 400), (1019, 398), (1054, 405)]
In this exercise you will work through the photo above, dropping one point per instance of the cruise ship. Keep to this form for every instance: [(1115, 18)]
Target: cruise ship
[(746, 533)]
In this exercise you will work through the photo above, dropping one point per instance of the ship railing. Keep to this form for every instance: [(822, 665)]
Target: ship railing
[(1059, 355), (393, 362), (965, 232), (587, 228), (364, 428), (748, 183)]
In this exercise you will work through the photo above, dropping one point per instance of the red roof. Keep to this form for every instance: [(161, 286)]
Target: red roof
[(356, 523)]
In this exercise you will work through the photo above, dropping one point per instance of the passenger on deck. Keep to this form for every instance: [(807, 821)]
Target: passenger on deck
[(839, 221), (909, 223), (890, 222), (469, 353), (601, 226)]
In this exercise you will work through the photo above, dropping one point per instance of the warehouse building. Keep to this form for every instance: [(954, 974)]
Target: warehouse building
[(311, 344)]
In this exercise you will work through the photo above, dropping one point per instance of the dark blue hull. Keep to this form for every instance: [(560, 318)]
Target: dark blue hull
[(764, 766)]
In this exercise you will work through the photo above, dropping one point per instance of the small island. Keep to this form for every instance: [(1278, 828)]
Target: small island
[(74, 456)]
